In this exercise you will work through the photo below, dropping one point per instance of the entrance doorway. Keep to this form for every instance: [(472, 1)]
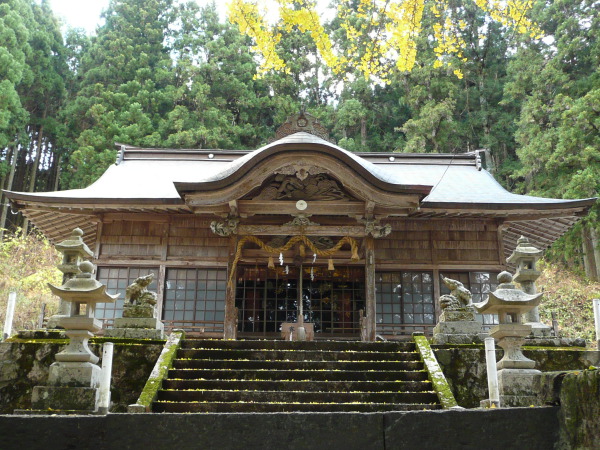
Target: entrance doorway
[(332, 299)]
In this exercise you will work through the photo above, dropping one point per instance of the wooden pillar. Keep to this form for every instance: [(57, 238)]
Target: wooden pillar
[(436, 293), (162, 270), (230, 324), (160, 290), (370, 313)]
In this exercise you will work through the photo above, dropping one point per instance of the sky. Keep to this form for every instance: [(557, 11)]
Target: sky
[(86, 13)]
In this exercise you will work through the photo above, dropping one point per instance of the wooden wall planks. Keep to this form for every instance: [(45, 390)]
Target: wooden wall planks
[(412, 241)]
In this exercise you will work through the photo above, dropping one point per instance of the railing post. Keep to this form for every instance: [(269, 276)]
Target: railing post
[(107, 358), (492, 373), (597, 317), (10, 312)]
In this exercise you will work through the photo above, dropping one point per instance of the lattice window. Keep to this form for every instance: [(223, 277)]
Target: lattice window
[(116, 280), (404, 298), (195, 297)]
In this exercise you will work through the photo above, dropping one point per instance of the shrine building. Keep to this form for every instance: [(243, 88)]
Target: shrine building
[(236, 238)]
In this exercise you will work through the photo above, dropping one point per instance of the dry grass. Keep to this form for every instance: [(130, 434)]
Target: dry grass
[(27, 263), (570, 297)]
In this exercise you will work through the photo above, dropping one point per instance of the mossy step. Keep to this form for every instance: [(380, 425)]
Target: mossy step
[(296, 365), (235, 407), (295, 345), (305, 386), (296, 355), (299, 375), (296, 396)]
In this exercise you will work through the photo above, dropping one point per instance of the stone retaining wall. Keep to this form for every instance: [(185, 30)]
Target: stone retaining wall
[(527, 428), (465, 369), (24, 365)]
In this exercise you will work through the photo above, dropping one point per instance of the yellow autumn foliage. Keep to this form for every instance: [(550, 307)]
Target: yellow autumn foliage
[(381, 35)]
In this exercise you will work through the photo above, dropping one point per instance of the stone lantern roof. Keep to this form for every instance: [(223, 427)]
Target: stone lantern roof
[(83, 288), (75, 244), (524, 250), (508, 299)]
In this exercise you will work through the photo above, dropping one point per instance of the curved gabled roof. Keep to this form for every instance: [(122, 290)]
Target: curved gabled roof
[(153, 180), (302, 142)]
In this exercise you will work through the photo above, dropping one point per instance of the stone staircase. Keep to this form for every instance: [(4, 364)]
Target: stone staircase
[(283, 376)]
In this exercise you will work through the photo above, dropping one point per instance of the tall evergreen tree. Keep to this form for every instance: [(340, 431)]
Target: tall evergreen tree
[(126, 89), (559, 126)]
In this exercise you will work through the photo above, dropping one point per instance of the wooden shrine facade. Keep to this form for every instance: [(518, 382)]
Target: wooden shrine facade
[(371, 233)]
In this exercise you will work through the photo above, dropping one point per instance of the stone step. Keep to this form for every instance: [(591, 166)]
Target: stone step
[(240, 407), (298, 375), (305, 386), (296, 397), (296, 355), (297, 365), (395, 346)]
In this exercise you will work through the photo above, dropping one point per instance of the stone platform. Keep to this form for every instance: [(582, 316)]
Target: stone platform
[(136, 328), (458, 327)]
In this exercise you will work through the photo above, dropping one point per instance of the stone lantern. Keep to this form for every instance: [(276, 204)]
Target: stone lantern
[(525, 258), (516, 372), (74, 252), (74, 377)]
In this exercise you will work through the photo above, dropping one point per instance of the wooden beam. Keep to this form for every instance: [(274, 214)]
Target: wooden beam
[(475, 266), (311, 230), (330, 208), (136, 217), (180, 262)]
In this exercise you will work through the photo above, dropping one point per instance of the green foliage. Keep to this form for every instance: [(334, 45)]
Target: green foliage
[(164, 73), (27, 264)]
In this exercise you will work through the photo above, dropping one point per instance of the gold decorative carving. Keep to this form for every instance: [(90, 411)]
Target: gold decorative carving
[(377, 230), (301, 220), (311, 188), (226, 227), (301, 169)]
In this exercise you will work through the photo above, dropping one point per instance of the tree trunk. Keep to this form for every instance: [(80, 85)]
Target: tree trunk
[(56, 173), (11, 177), (34, 168), (596, 248), (589, 260), (363, 131)]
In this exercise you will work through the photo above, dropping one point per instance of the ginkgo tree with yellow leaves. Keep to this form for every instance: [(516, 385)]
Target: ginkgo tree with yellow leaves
[(382, 34)]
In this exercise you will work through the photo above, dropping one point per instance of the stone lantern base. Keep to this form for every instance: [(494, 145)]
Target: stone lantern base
[(518, 387), (59, 399)]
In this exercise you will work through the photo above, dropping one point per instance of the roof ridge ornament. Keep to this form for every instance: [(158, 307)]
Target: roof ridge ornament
[(302, 122)]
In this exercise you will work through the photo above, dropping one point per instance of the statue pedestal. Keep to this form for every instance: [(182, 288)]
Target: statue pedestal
[(457, 327), (138, 322), (137, 328), (540, 330)]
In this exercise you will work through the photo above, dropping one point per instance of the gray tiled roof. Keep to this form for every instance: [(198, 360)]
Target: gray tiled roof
[(151, 176)]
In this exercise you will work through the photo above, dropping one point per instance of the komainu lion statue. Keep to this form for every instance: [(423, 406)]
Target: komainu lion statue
[(459, 297), (137, 294)]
